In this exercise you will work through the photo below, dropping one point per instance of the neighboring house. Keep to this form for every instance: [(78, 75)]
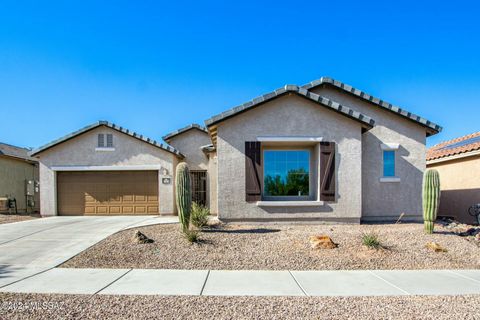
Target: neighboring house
[(321, 152), (19, 175), (458, 162)]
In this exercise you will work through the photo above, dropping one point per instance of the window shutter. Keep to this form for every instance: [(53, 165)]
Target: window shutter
[(327, 171), (253, 171), (101, 140), (109, 140)]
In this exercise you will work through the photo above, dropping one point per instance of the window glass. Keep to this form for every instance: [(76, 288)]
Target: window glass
[(286, 172), (109, 140), (388, 163), (101, 140)]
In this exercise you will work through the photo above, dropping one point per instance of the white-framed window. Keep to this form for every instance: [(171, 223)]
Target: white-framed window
[(101, 140), (286, 173), (109, 140), (389, 156), (105, 142)]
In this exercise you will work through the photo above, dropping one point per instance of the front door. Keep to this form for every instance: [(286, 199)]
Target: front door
[(199, 187)]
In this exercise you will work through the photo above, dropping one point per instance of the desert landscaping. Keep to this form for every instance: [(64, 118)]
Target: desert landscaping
[(286, 247)]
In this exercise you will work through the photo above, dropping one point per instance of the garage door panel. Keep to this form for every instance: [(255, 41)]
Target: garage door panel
[(104, 193)]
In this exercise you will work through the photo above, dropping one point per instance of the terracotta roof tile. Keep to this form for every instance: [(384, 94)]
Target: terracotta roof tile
[(453, 147)]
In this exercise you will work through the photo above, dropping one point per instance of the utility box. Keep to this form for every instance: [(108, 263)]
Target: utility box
[(30, 187)]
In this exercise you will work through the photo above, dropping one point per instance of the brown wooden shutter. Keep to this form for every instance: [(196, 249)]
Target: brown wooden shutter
[(327, 171), (253, 171)]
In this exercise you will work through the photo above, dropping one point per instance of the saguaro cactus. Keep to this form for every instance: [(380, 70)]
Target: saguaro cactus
[(183, 194), (431, 198)]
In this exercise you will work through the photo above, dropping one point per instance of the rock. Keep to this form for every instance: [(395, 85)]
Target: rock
[(141, 238), (435, 247), (322, 242)]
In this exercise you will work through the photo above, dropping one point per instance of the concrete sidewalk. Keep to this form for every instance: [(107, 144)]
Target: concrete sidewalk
[(250, 283)]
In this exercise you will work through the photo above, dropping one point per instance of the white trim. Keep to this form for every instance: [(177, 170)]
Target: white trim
[(104, 149), (389, 179), (389, 146), (289, 203), (106, 168), (454, 157), (289, 139)]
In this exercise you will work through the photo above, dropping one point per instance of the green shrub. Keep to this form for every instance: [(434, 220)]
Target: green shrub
[(199, 215), (190, 235), (371, 240)]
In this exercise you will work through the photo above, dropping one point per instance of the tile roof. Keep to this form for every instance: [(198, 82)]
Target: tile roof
[(15, 152), (454, 147), (112, 126), (433, 128), (184, 129), (330, 104)]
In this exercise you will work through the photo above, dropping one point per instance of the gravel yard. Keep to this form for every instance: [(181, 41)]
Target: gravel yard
[(8, 218), (175, 307), (280, 247)]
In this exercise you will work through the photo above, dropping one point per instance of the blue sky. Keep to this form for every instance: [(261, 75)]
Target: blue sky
[(155, 66)]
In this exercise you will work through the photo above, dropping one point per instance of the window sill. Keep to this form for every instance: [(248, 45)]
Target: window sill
[(289, 203), (390, 179), (104, 149)]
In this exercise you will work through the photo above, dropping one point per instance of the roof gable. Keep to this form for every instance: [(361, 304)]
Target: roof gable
[(109, 125), (432, 128), (364, 120), (175, 133)]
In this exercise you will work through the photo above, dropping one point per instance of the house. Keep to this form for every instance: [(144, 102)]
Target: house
[(19, 177), (458, 163), (320, 152)]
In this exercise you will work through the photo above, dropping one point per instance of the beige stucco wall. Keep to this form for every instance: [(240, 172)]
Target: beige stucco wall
[(13, 173), (460, 186), (189, 143), (289, 116), (129, 152), (387, 200)]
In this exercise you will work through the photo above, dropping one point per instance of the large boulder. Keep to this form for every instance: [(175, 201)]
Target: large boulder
[(322, 242)]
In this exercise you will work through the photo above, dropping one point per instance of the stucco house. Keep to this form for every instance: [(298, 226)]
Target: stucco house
[(320, 152), (19, 177), (458, 163)]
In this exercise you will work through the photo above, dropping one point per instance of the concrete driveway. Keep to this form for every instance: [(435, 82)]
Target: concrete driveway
[(30, 247)]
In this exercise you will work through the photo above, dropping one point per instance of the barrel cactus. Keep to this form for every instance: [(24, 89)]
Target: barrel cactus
[(183, 194), (431, 198)]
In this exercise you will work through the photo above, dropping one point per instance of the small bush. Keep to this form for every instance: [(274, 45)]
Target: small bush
[(190, 235), (371, 240), (199, 215)]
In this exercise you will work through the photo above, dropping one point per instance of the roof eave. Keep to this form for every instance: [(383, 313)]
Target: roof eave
[(192, 126), (432, 128), (97, 124)]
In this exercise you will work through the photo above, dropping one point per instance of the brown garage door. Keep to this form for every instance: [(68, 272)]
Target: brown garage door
[(107, 192)]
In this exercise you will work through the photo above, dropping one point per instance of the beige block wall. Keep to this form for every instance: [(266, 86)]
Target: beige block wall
[(289, 116), (80, 151), (13, 173), (460, 185), (381, 200)]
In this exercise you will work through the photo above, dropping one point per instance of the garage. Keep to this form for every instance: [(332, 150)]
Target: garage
[(107, 192)]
